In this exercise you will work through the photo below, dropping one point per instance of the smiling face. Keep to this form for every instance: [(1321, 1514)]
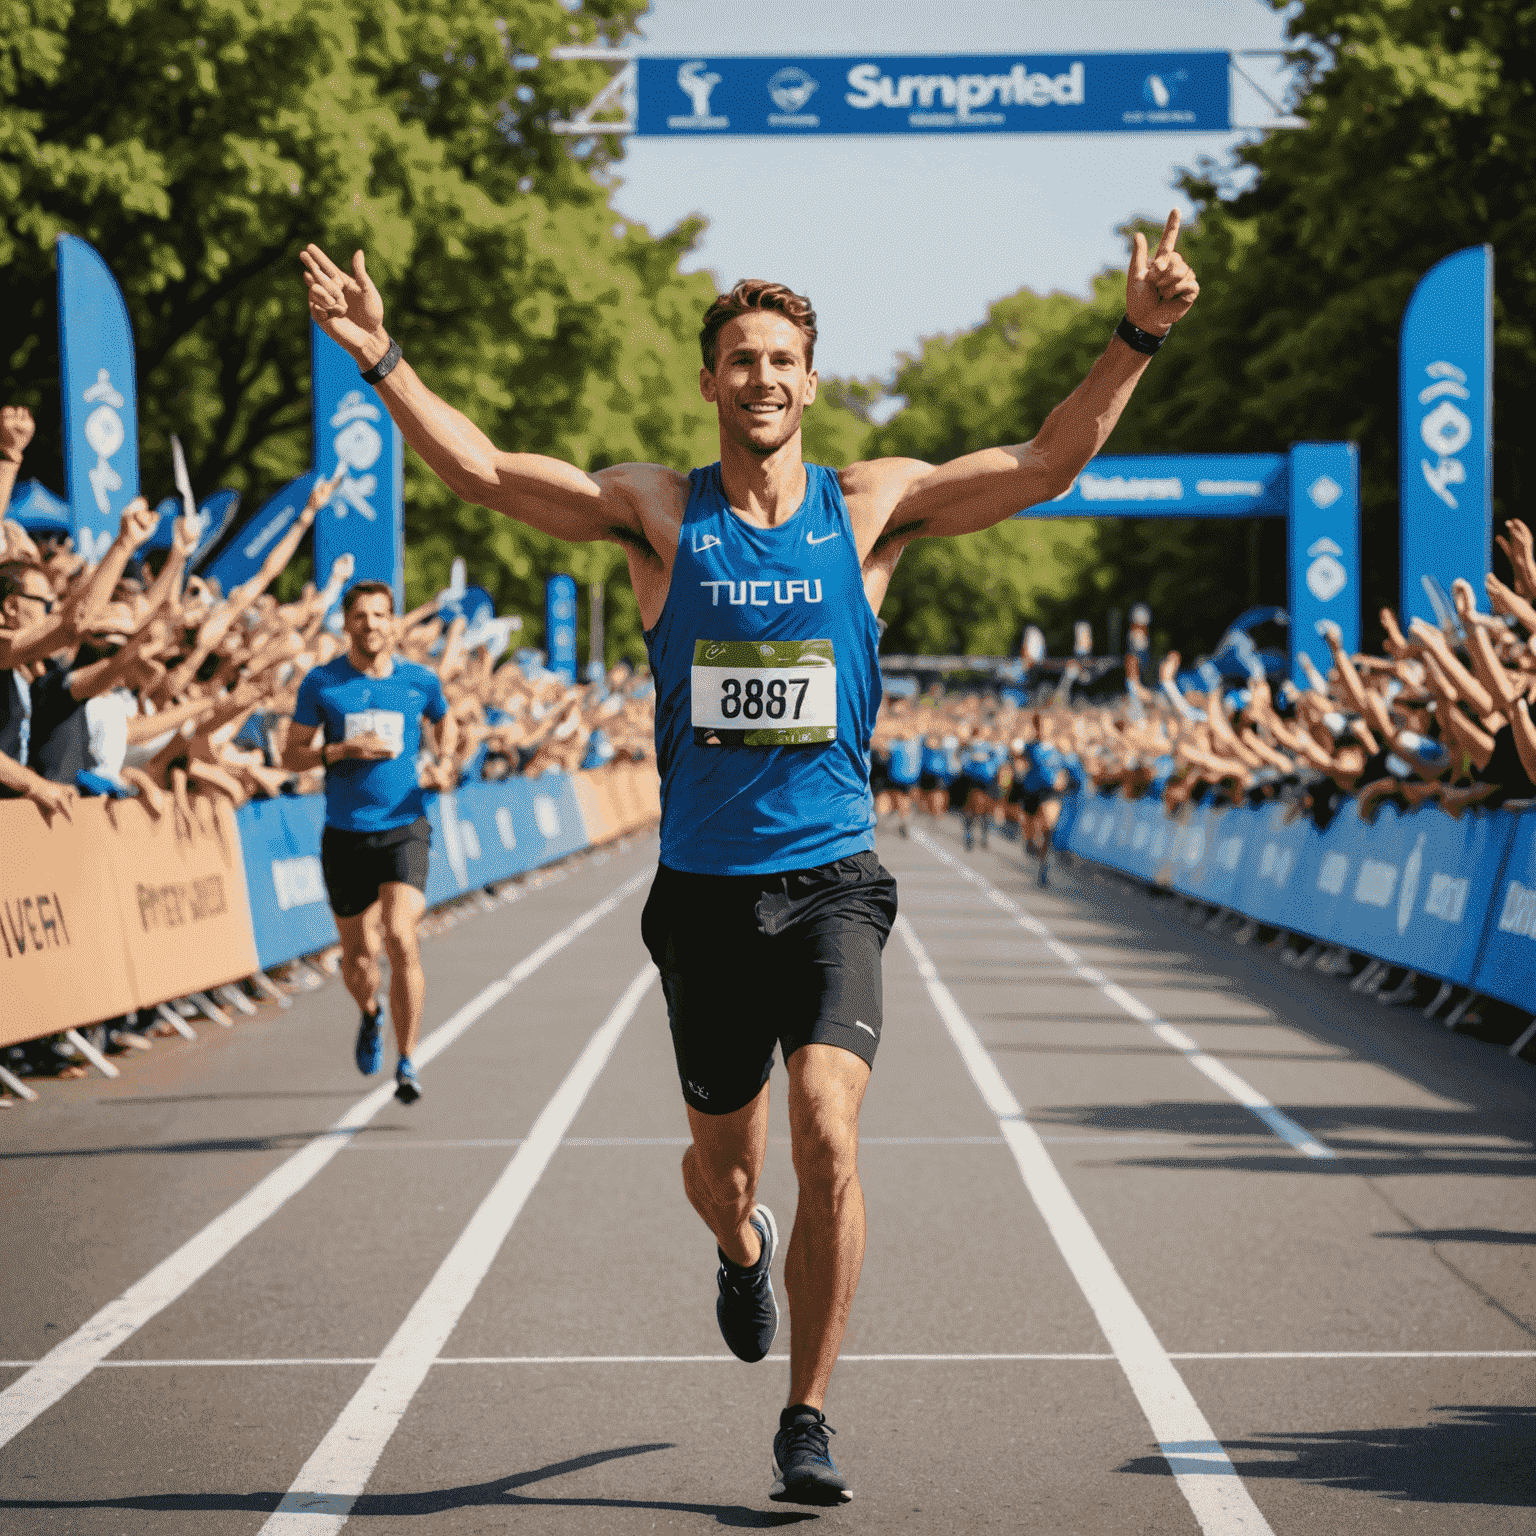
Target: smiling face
[(761, 385), (370, 624)]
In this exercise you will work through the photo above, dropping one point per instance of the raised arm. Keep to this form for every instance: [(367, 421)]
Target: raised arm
[(16, 429), (986, 487), (545, 493)]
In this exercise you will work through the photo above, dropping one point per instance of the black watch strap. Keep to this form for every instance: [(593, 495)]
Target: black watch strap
[(1133, 336), (384, 365)]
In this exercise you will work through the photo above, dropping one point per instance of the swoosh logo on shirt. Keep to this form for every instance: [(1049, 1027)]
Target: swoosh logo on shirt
[(709, 542), (811, 538)]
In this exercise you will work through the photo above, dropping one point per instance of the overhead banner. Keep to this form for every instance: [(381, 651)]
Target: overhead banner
[(949, 93), (96, 380), (560, 625), (1445, 427), (1323, 542), (241, 557), (1175, 485), (366, 516)]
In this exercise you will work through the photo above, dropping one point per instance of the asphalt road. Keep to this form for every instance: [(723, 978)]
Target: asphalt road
[(1163, 1237)]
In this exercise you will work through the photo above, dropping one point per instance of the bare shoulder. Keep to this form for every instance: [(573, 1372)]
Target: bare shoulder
[(873, 489), (646, 504)]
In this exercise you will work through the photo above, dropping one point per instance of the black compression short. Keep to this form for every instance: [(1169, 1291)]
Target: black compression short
[(750, 961), (356, 864)]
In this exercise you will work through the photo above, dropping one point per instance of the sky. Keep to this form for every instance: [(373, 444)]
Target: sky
[(898, 239)]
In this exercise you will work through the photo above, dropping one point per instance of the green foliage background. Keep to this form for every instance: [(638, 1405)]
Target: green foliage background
[(199, 143)]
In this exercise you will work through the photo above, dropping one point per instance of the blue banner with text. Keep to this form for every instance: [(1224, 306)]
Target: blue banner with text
[(949, 93)]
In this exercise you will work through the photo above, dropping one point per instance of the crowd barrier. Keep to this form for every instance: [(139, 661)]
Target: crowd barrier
[(1450, 898), (114, 910)]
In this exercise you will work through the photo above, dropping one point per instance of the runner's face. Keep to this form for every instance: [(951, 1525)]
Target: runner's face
[(370, 624), (760, 386)]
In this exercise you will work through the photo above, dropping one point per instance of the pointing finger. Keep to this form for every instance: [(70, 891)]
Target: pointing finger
[(1138, 257), (320, 262), (1170, 234)]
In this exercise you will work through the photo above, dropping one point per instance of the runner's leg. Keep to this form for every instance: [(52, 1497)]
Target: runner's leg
[(826, 1249), (362, 940), (400, 907), (720, 1174)]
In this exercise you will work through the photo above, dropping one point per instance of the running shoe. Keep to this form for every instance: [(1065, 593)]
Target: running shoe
[(803, 1472), (370, 1042), (1045, 872), (746, 1308), (407, 1087)]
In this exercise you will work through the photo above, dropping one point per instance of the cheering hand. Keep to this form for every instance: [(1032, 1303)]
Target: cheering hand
[(16, 429), (346, 306), (1160, 291)]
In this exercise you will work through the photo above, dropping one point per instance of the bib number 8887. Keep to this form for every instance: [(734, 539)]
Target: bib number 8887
[(778, 699)]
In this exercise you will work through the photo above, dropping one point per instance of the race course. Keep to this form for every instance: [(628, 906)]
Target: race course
[(1164, 1237)]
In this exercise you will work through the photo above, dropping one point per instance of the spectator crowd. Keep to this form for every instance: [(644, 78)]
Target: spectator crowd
[(131, 677)]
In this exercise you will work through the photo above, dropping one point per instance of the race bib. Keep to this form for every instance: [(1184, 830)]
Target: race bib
[(387, 724), (764, 693)]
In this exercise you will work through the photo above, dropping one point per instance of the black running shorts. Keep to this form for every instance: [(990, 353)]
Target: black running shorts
[(748, 962), (356, 864)]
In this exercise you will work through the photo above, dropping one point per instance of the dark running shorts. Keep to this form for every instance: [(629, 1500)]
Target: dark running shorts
[(356, 864), (1030, 799), (748, 962), (930, 782)]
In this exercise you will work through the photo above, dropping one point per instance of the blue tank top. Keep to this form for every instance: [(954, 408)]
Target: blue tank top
[(906, 760), (737, 808)]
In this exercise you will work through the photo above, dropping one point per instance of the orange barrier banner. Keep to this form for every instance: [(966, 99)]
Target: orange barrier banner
[(617, 799), (113, 910)]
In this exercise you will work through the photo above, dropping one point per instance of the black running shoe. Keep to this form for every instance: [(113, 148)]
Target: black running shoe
[(803, 1472), (407, 1087), (746, 1309)]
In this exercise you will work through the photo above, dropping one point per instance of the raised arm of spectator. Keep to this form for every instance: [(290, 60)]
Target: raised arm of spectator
[(444, 774), (51, 799), (1486, 665), (93, 593), (16, 429), (1466, 685), (1522, 557), (1524, 733), (1503, 600)]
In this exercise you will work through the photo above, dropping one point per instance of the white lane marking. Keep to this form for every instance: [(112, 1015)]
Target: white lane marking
[(1204, 1472), (1222, 1076), (69, 1362), (323, 1493), (403, 1145), (1173, 1354)]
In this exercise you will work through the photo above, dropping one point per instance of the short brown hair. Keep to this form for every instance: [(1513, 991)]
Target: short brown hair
[(366, 589), (757, 293)]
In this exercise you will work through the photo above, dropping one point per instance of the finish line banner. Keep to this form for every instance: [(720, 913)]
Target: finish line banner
[(950, 93)]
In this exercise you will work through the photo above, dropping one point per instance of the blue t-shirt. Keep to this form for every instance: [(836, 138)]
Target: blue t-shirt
[(1045, 762), (906, 760), (362, 796)]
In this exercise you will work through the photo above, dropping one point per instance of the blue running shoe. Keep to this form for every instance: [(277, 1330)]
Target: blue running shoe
[(803, 1472), (746, 1309), (1045, 871), (370, 1042), (407, 1088)]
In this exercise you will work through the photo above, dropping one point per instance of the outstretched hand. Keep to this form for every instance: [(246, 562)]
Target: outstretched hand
[(1159, 291), (346, 305)]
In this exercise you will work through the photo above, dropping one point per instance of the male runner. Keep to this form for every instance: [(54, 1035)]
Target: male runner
[(362, 713), (757, 580)]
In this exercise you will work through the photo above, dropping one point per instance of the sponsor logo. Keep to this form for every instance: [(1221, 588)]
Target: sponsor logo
[(791, 90), (811, 538), (1229, 487), (1376, 883), (740, 593), (1326, 576), (938, 101), (1132, 488), (1410, 887), (1333, 874), (1324, 491), (1229, 853), (1519, 914), (1447, 897), (35, 922), (180, 902), (696, 80), (1445, 430), (860, 1024), (504, 828), (1275, 863), (297, 882), (709, 541), (546, 816)]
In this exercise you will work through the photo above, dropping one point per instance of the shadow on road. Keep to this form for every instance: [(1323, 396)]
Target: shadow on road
[(499, 1492), (1474, 1455)]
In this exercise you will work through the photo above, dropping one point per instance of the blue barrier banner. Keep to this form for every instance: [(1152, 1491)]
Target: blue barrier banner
[(948, 93), (1175, 485), (489, 832), (280, 841), (1445, 427), (560, 625), (1323, 551), (241, 558), (366, 516), (1417, 889), (1508, 965), (96, 379), (37, 509)]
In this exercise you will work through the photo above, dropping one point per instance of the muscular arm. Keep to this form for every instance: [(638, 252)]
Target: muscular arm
[(983, 488)]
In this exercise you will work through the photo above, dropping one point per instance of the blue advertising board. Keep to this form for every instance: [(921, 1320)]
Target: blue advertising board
[(96, 379), (1507, 967), (1445, 428), (560, 625), (1175, 485), (280, 844), (366, 516), (950, 93), (241, 557), (1323, 541)]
